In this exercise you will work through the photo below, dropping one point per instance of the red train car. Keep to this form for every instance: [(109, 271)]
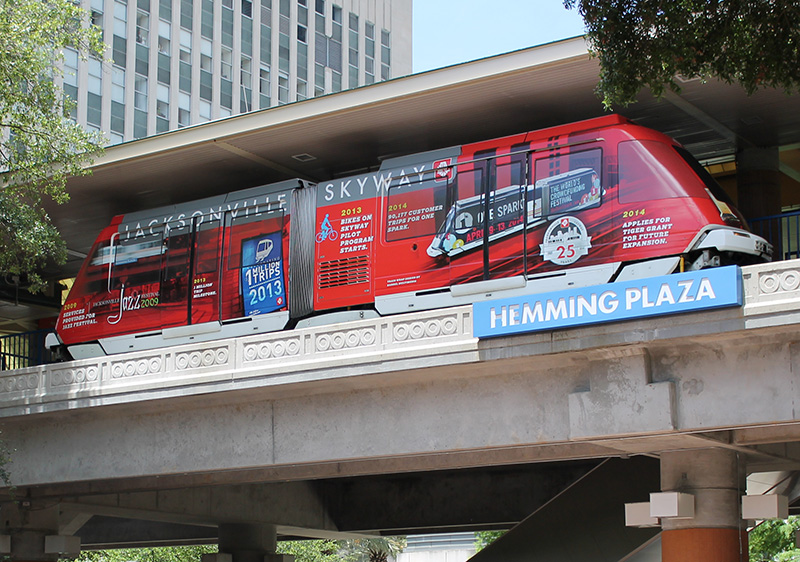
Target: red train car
[(580, 204)]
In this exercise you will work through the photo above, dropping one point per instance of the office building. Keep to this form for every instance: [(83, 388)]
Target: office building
[(175, 63)]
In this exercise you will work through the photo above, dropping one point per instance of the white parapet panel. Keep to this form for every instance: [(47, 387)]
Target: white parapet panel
[(672, 505), (638, 515), (62, 544), (767, 506)]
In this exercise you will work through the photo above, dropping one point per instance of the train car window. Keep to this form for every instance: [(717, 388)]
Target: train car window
[(137, 261), (206, 245), (506, 197), (96, 279), (652, 170), (415, 208), (177, 260), (467, 215), (708, 180), (565, 183)]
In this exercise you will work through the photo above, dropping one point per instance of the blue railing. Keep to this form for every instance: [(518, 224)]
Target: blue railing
[(783, 231), (24, 350)]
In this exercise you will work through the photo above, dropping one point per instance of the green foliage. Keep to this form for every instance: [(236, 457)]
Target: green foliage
[(647, 43), (39, 146), (485, 538), (373, 549), (156, 554), (312, 550), (774, 541), (355, 550)]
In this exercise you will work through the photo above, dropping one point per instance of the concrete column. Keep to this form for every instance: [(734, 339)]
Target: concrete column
[(248, 543), (34, 533), (716, 479), (758, 180)]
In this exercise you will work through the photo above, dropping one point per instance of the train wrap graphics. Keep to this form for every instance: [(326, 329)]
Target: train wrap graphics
[(574, 205)]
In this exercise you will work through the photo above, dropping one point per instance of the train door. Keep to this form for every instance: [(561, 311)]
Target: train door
[(253, 264), (505, 255), (174, 298), (134, 280), (488, 219), (204, 300)]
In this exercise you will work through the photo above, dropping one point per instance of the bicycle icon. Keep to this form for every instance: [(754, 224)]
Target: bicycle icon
[(326, 231)]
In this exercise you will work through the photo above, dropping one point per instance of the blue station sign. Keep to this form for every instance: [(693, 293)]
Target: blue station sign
[(641, 298)]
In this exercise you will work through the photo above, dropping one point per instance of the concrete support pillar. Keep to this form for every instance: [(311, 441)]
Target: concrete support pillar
[(34, 533), (248, 543), (758, 181), (716, 480)]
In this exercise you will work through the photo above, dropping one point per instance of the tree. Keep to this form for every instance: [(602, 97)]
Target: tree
[(373, 549), (485, 538), (774, 541), (191, 553), (312, 550), (648, 43), (40, 147)]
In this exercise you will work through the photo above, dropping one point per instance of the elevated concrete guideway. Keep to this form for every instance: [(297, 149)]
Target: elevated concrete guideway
[(400, 424)]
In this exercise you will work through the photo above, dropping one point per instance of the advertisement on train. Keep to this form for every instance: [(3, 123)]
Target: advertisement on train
[(423, 231)]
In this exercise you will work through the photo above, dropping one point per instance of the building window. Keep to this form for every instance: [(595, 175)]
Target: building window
[(246, 75), (283, 88), (163, 45), (120, 20), (353, 51), (118, 84), (302, 61), (247, 36), (142, 28), (162, 116), (204, 108), (165, 10), (369, 53), (97, 21), (246, 79), (226, 66), (386, 58), (319, 7), (139, 124), (263, 87), (140, 92), (227, 26), (94, 109), (95, 84), (186, 14), (71, 67), (226, 93), (207, 19), (247, 8), (319, 79), (184, 110), (118, 117)]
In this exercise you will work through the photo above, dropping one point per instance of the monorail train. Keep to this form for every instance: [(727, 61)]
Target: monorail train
[(574, 205)]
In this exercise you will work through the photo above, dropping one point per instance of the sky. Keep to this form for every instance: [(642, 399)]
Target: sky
[(449, 32)]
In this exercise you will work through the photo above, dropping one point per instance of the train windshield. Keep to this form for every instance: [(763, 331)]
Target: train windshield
[(714, 188), (651, 170)]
